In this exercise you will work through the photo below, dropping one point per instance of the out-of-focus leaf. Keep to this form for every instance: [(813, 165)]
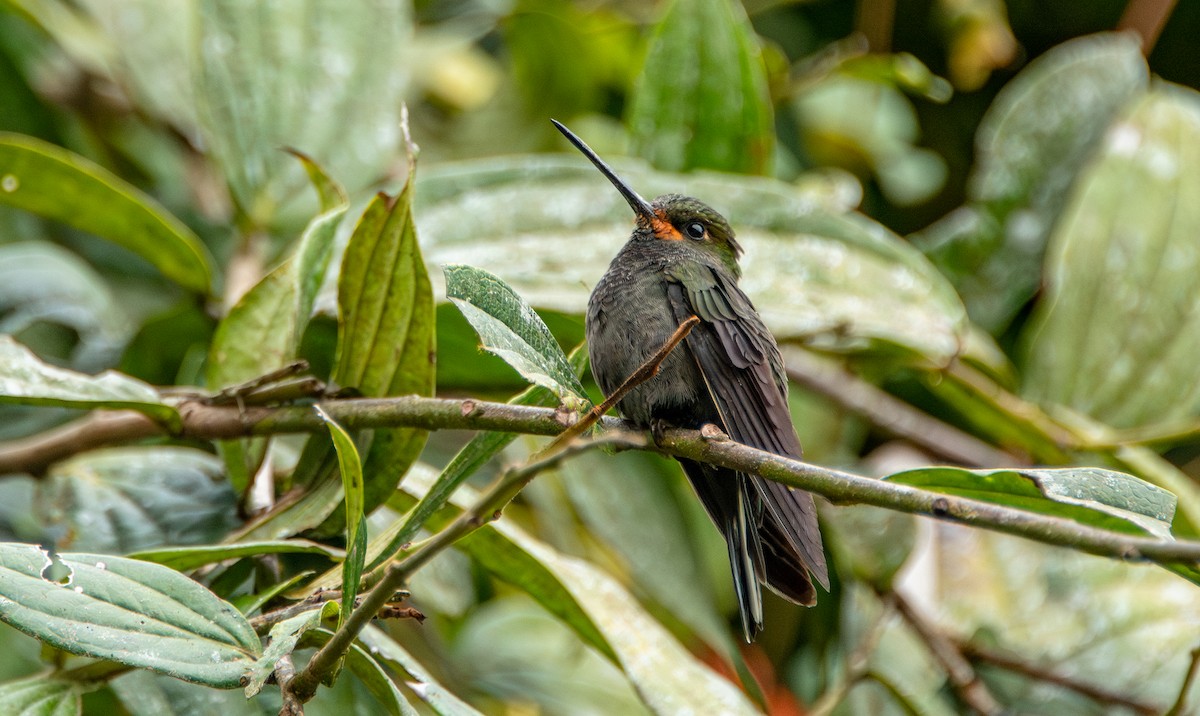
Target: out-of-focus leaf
[(269, 79), (627, 501), (667, 677), (52, 182), (185, 558), (1036, 137), (135, 613), (1090, 495), (42, 282), (25, 380), (874, 543), (125, 499), (512, 330), (41, 696), (701, 101), (386, 650), (283, 639), (147, 694), (153, 52), (1115, 336), (832, 280), (369, 672), (350, 467), (511, 649)]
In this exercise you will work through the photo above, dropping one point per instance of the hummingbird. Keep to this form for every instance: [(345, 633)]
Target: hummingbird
[(682, 261)]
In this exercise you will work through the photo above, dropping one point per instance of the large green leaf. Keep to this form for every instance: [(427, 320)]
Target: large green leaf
[(512, 330), (26, 380), (148, 694), (835, 280), (135, 613), (124, 499), (323, 76), (701, 101), (41, 282), (386, 329), (1091, 495), (1115, 335), (52, 182), (1032, 143)]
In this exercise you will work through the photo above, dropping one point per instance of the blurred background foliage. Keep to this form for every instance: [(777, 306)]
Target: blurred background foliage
[(970, 223)]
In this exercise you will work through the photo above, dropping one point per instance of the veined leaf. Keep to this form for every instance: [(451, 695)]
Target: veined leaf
[(512, 330), (135, 613), (701, 101), (39, 695), (820, 276), (1090, 495), (1031, 146), (26, 380), (1115, 335), (52, 182), (118, 500)]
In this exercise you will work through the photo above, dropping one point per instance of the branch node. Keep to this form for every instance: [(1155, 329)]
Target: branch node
[(469, 408), (713, 434), (940, 507)]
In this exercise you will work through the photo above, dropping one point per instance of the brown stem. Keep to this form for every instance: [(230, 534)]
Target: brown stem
[(1147, 18), (973, 692), (1040, 672)]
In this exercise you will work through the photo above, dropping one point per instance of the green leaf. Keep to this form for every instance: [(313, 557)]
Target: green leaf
[(512, 330), (701, 101), (386, 650), (282, 641), (386, 330), (267, 80), (369, 672), (40, 695), (122, 499), (820, 276), (147, 694), (356, 528), (667, 677), (185, 558), (1090, 495), (26, 380), (50, 181), (1035, 139), (135, 613), (41, 282), (1114, 335)]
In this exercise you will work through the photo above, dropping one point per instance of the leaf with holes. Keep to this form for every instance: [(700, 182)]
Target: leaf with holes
[(134, 613)]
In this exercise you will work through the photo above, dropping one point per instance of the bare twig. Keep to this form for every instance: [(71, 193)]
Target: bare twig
[(1179, 708), (285, 676), (973, 692), (891, 414), (1048, 675), (1147, 18)]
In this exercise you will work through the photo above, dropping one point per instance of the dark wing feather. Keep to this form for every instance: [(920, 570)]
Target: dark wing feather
[(743, 370)]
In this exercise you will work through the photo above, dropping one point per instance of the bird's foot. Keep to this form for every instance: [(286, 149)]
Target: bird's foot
[(658, 429), (713, 434)]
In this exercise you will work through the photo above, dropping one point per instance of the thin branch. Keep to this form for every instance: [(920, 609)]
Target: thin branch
[(486, 509), (213, 422), (1147, 18), (891, 414), (973, 692), (1046, 674), (285, 676), (1180, 705)]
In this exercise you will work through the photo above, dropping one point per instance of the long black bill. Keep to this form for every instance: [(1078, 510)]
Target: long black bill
[(640, 206)]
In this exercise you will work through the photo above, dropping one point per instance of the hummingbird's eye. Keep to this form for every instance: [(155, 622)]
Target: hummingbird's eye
[(695, 230)]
